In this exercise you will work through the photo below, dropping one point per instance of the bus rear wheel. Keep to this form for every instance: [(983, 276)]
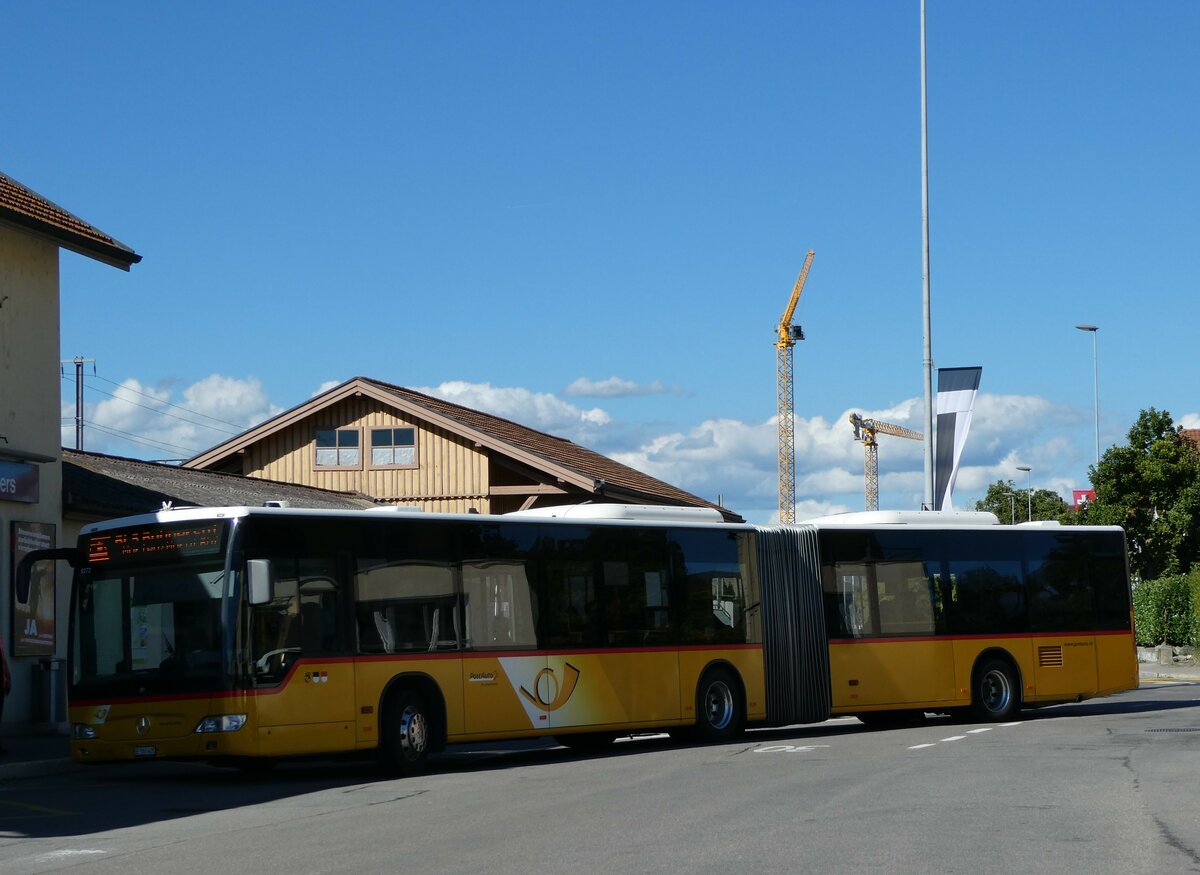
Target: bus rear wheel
[(408, 734), (718, 707), (995, 695)]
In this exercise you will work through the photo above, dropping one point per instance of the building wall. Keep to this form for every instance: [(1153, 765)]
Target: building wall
[(451, 474), (29, 420)]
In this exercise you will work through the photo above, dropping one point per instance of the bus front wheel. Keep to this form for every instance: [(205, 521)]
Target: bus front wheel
[(996, 694), (407, 734), (718, 707)]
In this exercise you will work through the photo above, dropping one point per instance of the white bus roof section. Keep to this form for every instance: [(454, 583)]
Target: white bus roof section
[(933, 518), (641, 512)]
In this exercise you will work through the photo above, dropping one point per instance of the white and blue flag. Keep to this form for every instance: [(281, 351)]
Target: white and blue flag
[(955, 401)]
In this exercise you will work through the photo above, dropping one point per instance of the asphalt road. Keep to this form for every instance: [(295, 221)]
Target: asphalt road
[(1110, 785)]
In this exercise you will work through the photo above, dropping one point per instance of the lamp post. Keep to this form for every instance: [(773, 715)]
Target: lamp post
[(1012, 507), (1028, 489), (1094, 329)]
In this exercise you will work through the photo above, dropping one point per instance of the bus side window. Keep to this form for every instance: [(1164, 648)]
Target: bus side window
[(405, 606), (275, 629), (707, 572), (855, 606)]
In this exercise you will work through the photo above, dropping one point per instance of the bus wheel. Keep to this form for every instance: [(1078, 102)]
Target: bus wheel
[(996, 695), (407, 734), (587, 742), (718, 707)]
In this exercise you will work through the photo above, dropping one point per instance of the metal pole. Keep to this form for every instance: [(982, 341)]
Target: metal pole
[(925, 308), (1012, 508), (79, 403), (1028, 490), (1095, 331)]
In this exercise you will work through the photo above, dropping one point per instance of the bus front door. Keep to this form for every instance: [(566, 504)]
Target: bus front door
[(305, 700)]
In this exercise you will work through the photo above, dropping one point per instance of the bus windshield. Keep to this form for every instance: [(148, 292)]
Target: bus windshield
[(147, 629)]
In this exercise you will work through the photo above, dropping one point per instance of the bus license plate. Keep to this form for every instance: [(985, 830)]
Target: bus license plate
[(146, 750)]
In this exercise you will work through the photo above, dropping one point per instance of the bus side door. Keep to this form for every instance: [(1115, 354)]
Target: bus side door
[(503, 672)]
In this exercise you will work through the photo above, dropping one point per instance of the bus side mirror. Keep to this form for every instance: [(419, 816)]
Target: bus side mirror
[(261, 581), (25, 568)]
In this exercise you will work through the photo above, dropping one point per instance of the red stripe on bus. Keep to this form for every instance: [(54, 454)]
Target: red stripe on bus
[(404, 657), (1002, 635)]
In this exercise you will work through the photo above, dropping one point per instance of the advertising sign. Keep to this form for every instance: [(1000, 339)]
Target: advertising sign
[(19, 481), (33, 621)]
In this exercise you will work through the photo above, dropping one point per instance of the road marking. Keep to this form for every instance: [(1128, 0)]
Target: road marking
[(67, 853), (788, 748), (976, 731)]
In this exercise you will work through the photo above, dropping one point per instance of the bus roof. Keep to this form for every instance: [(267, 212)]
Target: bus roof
[(608, 513), (936, 518)]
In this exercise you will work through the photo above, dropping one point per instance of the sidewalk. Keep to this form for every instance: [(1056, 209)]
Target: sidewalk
[(28, 755), (47, 754)]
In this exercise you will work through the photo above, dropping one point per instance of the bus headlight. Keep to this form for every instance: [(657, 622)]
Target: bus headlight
[(221, 723), (82, 732)]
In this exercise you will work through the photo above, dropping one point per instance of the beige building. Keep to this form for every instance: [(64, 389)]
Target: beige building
[(32, 231), (403, 447)]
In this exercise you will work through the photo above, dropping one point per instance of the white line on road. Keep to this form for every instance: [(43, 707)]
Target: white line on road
[(954, 738)]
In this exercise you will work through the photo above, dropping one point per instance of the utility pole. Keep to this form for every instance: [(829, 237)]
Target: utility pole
[(78, 361), (925, 305)]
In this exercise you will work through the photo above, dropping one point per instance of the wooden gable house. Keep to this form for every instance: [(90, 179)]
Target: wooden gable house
[(406, 448)]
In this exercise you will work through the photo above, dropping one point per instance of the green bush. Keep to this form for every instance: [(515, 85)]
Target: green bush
[(1194, 587), (1164, 610)]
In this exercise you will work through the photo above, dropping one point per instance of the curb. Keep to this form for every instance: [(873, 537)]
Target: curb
[(36, 768)]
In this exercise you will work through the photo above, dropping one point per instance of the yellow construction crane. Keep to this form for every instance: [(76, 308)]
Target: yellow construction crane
[(865, 431), (788, 334)]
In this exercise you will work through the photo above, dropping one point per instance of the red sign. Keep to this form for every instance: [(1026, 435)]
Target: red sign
[(1083, 496)]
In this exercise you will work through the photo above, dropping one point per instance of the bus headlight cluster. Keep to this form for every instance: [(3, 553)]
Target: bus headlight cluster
[(222, 723), (82, 732)]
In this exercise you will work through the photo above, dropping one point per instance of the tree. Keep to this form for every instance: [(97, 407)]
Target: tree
[(1012, 505), (1151, 487)]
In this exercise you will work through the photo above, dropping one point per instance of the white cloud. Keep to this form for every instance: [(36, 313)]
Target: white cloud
[(539, 410), (719, 458), (149, 422), (739, 461), (615, 387), (1189, 420), (326, 386)]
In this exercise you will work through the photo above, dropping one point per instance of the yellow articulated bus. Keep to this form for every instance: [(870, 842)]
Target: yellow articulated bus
[(244, 635)]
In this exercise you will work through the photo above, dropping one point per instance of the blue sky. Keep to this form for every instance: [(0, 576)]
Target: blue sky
[(589, 217)]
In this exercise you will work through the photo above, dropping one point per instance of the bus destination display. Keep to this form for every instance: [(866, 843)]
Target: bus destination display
[(155, 542)]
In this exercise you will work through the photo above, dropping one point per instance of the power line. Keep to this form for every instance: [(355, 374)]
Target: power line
[(137, 439), (240, 428), (163, 412)]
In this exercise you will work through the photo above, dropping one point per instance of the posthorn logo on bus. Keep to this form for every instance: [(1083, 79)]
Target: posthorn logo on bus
[(142, 726), (548, 694)]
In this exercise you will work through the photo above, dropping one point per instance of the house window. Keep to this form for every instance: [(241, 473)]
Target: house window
[(393, 446), (338, 448)]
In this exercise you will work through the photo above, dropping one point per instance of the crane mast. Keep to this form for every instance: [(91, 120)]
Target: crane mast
[(787, 335), (865, 431)]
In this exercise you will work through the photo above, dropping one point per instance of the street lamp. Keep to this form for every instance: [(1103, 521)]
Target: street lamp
[(1028, 488), (1012, 507), (1094, 329)]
